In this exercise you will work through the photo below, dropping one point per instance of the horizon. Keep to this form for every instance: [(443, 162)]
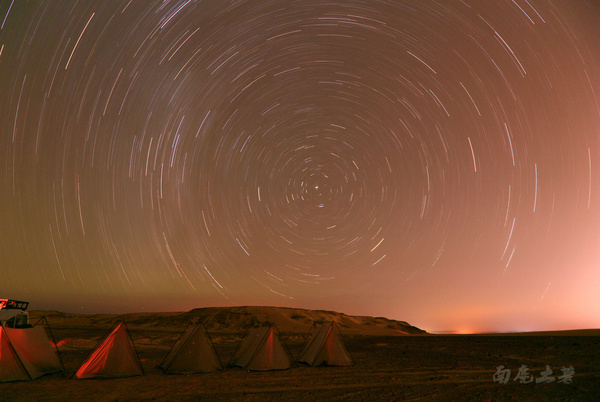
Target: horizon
[(458, 330), (462, 331), (431, 162)]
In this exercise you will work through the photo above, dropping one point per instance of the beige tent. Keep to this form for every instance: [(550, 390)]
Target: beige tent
[(326, 347), (26, 354), (193, 352), (114, 356), (261, 350)]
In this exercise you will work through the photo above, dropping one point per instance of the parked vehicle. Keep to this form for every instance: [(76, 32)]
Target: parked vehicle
[(13, 313)]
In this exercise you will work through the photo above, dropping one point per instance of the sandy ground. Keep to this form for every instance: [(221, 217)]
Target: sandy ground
[(407, 367)]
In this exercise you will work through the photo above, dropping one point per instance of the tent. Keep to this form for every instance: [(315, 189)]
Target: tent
[(114, 356), (326, 347), (26, 354), (261, 350), (193, 352)]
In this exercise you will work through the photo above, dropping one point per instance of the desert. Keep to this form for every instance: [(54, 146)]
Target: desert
[(416, 171), (392, 360)]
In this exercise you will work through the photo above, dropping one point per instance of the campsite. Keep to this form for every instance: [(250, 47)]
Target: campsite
[(386, 364)]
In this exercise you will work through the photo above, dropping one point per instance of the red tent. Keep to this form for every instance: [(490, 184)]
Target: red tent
[(26, 354), (113, 356)]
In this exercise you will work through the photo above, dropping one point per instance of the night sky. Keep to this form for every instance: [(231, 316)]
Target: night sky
[(430, 161)]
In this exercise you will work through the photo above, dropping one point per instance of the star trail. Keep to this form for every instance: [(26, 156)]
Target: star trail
[(431, 161)]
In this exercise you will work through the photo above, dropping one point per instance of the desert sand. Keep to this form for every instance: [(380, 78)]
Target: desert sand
[(392, 361)]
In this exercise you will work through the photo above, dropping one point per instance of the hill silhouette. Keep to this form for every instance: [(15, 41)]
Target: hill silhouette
[(236, 319)]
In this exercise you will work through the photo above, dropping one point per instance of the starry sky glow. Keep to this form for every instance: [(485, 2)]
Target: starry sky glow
[(431, 161)]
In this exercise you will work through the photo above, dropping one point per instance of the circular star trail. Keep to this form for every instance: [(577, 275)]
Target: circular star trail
[(433, 161)]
